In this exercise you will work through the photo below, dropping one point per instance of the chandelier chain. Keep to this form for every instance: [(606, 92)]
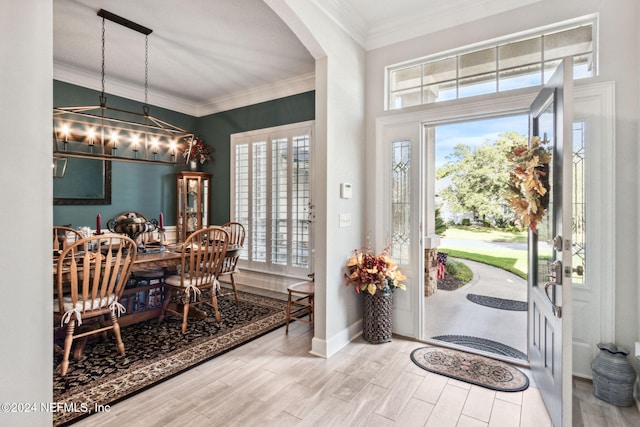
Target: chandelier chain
[(146, 69), (103, 54)]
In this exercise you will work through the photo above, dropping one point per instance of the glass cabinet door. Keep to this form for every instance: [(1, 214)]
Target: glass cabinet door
[(192, 203)]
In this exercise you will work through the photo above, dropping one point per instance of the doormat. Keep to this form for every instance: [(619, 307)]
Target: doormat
[(156, 352), (470, 368), (483, 344), (499, 303)]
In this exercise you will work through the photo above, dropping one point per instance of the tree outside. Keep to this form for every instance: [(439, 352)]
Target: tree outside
[(478, 179)]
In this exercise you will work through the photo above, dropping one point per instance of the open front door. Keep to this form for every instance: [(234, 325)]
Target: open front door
[(550, 253)]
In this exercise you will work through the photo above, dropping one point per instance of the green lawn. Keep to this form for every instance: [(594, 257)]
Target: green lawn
[(513, 261), (509, 260), (484, 233)]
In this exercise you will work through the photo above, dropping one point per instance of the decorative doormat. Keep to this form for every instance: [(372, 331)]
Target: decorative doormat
[(156, 352), (483, 344), (499, 303), (470, 368)]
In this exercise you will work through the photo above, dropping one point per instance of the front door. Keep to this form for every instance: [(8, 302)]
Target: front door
[(550, 252)]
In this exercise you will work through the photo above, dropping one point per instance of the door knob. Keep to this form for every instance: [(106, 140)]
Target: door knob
[(579, 270)]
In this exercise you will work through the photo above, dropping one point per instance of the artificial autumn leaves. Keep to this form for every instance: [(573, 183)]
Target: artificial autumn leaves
[(529, 182)]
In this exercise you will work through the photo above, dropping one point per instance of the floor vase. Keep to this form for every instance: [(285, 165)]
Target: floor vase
[(613, 375), (377, 317)]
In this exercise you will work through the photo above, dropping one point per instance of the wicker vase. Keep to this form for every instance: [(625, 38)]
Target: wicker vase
[(377, 317)]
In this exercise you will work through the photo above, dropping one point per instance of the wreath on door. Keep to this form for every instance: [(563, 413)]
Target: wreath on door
[(529, 182)]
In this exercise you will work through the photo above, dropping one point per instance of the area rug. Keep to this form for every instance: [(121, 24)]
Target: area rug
[(470, 368), (483, 344), (499, 303), (156, 352)]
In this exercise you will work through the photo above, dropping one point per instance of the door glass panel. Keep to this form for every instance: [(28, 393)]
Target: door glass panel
[(401, 201), (545, 226), (579, 217)]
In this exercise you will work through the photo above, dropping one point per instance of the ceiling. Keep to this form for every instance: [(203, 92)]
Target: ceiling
[(208, 56)]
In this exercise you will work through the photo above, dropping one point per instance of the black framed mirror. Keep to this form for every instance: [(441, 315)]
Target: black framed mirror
[(85, 182)]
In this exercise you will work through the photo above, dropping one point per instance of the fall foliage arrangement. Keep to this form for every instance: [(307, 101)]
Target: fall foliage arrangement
[(529, 182), (370, 272)]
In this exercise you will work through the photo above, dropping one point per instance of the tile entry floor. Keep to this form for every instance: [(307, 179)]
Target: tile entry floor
[(274, 381)]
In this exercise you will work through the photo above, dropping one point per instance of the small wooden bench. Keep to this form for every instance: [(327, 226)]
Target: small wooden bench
[(302, 295)]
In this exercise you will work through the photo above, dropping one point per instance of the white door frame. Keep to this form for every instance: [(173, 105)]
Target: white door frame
[(408, 308), (600, 96)]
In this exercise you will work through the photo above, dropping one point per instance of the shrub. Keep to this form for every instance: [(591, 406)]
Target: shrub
[(452, 267)]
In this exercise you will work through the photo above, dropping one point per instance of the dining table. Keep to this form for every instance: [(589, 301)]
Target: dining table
[(153, 259), (149, 259)]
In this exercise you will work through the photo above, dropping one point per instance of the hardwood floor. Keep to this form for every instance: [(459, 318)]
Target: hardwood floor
[(273, 381)]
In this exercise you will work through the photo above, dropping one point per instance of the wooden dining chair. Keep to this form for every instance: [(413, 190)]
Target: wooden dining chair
[(202, 257), (63, 236), (90, 277), (236, 240)]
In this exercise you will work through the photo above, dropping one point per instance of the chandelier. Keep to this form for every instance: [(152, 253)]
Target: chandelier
[(102, 132)]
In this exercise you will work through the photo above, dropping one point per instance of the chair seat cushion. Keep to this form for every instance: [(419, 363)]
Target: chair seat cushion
[(174, 280), (83, 305)]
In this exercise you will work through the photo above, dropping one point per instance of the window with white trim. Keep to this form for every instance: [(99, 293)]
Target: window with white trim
[(514, 63), (270, 196)]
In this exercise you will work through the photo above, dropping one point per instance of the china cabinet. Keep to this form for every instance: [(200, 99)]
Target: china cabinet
[(193, 195)]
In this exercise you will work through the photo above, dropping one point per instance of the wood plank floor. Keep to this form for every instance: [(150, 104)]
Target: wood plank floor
[(274, 381)]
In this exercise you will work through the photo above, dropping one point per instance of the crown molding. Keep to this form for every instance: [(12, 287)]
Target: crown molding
[(281, 89), (256, 95), (429, 18), (117, 87), (347, 18)]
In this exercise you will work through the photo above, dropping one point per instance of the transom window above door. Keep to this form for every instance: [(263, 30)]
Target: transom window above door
[(497, 66)]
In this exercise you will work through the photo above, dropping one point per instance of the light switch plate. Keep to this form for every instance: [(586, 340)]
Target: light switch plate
[(344, 220)]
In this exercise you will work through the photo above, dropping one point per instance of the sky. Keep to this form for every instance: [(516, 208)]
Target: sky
[(474, 133)]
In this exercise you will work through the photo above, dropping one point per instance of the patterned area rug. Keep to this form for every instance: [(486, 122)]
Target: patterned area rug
[(499, 303), (470, 368), (157, 352), (483, 344)]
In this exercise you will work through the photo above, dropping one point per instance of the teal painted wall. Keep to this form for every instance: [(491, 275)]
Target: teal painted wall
[(150, 188), (216, 129)]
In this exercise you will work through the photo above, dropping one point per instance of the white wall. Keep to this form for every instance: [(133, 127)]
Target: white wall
[(26, 99), (338, 157), (619, 62)]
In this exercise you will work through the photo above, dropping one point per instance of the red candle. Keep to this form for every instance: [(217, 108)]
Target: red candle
[(98, 224), (161, 218)]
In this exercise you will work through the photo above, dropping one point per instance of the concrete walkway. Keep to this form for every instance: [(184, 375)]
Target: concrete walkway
[(450, 313)]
